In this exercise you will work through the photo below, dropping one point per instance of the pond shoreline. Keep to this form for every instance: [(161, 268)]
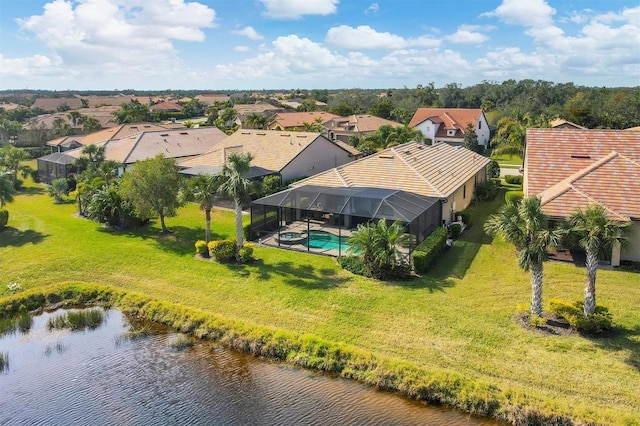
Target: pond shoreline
[(436, 387)]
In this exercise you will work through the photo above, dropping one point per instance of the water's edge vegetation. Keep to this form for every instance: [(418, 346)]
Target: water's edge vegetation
[(433, 386)]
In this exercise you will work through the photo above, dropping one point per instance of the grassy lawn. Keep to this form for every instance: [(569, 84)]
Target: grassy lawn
[(507, 160), (458, 318)]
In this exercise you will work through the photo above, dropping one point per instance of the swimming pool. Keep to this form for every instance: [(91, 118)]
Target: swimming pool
[(326, 241)]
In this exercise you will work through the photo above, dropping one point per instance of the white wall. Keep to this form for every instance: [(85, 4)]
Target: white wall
[(483, 131), (428, 129), (632, 251), (319, 156)]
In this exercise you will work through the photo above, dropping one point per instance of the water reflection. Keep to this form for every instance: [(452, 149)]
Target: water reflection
[(98, 377)]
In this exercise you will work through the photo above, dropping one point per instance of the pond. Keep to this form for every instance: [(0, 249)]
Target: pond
[(103, 374)]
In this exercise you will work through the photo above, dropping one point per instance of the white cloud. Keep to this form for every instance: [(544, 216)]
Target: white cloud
[(248, 32), (29, 66), (241, 48), (372, 9), (529, 13), (294, 9), (467, 37), (365, 37)]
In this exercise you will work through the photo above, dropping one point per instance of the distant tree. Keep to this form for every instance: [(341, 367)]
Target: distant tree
[(470, 139), (6, 190), (342, 110), (63, 107), (526, 227), (75, 117), (132, 112), (9, 130), (256, 121), (237, 186), (153, 185), (596, 233), (90, 125), (85, 103), (57, 190), (61, 127), (308, 105), (382, 109), (11, 164), (493, 169), (226, 119), (313, 126), (193, 108)]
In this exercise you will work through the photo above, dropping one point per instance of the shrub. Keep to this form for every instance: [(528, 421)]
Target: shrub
[(4, 218), (537, 321), (246, 254), (246, 232), (201, 247), (513, 179), (465, 216), (354, 265), (486, 191), (427, 251), (211, 246), (455, 229), (513, 197), (493, 169), (224, 251), (573, 313)]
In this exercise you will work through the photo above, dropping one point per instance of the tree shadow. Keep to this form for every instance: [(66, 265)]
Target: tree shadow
[(621, 339), (31, 190), (16, 238), (426, 281), (297, 275)]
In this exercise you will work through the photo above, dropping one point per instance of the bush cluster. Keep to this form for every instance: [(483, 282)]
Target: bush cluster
[(573, 313), (513, 197), (226, 251), (465, 216), (201, 247), (455, 229), (354, 265), (513, 179), (486, 191), (4, 218), (246, 254), (427, 251)]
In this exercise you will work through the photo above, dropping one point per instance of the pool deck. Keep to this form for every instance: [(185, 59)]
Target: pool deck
[(271, 240)]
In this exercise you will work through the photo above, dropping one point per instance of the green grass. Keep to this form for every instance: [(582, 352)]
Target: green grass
[(454, 325), (507, 160)]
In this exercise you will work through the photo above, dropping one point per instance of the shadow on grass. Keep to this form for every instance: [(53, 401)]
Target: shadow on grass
[(297, 275), (16, 238), (425, 282), (31, 190), (621, 339)]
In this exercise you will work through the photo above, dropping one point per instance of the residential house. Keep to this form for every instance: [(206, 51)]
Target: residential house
[(292, 155), (52, 104), (450, 124), (570, 170), (296, 120), (210, 99), (342, 128), (561, 123), (165, 107), (65, 143)]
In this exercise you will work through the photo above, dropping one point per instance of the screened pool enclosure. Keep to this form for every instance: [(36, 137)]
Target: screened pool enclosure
[(318, 219)]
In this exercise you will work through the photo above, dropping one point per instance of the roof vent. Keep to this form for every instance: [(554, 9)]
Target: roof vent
[(165, 134), (184, 133), (582, 157), (261, 134), (386, 156)]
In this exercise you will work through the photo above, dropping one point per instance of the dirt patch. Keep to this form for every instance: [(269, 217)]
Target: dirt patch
[(554, 325)]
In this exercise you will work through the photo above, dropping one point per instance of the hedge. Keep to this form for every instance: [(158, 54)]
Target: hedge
[(4, 218), (427, 251), (513, 197), (513, 179), (465, 215)]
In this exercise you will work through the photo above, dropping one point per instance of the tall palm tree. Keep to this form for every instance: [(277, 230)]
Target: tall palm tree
[(377, 245), (526, 226), (203, 190), (596, 232), (237, 186)]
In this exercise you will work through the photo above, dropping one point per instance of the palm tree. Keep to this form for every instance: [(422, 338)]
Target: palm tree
[(596, 232), (11, 163), (203, 190), (75, 117), (237, 186), (6, 190), (58, 189), (526, 226), (377, 244)]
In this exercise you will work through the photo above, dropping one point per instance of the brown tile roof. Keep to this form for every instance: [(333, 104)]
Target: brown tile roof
[(564, 124), (65, 139), (166, 106), (271, 149), (51, 104), (120, 131), (288, 120), (98, 101), (434, 171), (360, 123), (452, 118), (571, 170)]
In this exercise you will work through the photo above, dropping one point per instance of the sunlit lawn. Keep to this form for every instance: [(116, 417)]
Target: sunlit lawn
[(459, 317)]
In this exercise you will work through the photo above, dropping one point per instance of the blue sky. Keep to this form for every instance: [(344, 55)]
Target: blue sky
[(288, 44)]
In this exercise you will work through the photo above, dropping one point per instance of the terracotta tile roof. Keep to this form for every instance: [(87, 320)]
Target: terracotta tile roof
[(166, 106), (572, 169), (360, 123), (51, 104), (119, 132), (271, 149), (434, 171), (452, 118), (288, 120)]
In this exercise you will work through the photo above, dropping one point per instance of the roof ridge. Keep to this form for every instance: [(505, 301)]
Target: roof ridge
[(133, 147), (340, 176), (420, 176)]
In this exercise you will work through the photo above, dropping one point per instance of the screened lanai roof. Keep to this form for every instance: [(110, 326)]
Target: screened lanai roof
[(377, 203), (58, 158)]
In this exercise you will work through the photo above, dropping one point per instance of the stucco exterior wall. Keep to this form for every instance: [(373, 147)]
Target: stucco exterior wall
[(462, 197), (428, 129), (632, 251), (319, 156)]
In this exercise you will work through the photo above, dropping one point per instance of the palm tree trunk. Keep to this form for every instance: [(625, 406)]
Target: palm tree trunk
[(536, 289), (239, 238), (590, 289), (207, 229)]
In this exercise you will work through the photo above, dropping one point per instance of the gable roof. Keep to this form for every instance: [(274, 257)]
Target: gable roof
[(65, 141), (119, 132), (166, 106), (271, 149), (452, 118), (570, 170), (359, 123), (432, 171), (287, 120), (564, 124)]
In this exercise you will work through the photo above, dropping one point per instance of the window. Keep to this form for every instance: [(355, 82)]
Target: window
[(479, 124), (451, 132), (464, 191)]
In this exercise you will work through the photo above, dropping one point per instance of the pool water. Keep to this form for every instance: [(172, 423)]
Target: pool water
[(326, 241)]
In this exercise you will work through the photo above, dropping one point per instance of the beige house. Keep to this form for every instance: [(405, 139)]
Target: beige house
[(292, 155), (342, 128), (296, 120), (570, 170)]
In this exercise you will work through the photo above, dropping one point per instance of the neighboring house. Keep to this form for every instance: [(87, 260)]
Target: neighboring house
[(571, 170), (52, 104), (180, 144), (449, 124), (213, 98), (165, 107), (561, 123), (8, 106), (292, 155), (449, 173), (342, 128), (65, 143), (296, 120), (120, 131)]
